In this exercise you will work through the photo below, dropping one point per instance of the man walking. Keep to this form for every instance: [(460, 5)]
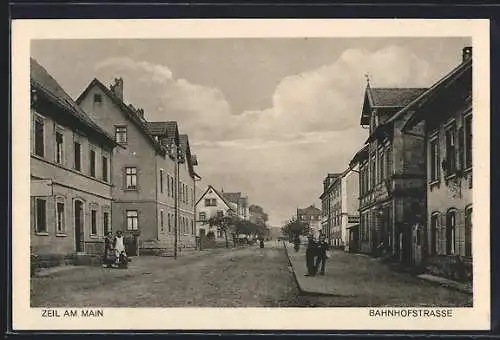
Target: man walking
[(322, 247), (310, 255)]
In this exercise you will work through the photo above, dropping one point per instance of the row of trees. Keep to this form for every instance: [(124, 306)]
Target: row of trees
[(295, 228), (234, 225)]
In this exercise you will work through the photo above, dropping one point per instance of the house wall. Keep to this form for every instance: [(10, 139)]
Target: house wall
[(68, 185), (209, 211), (350, 202)]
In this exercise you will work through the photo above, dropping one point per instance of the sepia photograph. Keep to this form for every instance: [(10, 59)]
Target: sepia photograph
[(295, 173)]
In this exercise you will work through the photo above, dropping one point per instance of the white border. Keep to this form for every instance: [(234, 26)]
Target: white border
[(26, 318)]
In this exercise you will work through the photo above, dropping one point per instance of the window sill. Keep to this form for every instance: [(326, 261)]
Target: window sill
[(450, 176), (130, 189), (434, 183), (61, 235), (468, 170), (93, 236), (42, 233)]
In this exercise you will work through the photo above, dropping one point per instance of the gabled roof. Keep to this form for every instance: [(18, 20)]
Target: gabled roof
[(387, 98), (184, 143), (226, 202), (360, 155), (310, 210), (43, 82), (233, 197), (127, 110), (167, 129)]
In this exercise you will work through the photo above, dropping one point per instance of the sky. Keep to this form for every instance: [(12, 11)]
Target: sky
[(267, 117)]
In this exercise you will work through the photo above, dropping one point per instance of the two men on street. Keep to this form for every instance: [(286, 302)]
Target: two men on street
[(316, 255)]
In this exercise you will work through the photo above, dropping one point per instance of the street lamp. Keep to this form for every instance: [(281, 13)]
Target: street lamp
[(175, 153)]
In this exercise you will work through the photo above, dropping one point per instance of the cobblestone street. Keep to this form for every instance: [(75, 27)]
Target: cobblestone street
[(247, 277)]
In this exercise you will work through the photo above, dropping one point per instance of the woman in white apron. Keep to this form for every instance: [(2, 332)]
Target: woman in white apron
[(119, 246)]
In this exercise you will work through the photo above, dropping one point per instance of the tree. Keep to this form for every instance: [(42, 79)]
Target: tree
[(226, 223), (294, 228), (257, 214), (250, 228)]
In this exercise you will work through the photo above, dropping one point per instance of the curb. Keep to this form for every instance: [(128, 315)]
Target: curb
[(302, 291), (446, 285)]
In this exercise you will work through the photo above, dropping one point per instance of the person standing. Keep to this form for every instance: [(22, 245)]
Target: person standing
[(119, 246), (310, 255), (108, 249), (322, 247)]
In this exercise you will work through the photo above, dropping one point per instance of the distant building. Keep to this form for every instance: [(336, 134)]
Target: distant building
[(349, 206), (146, 181), (443, 117), (70, 168), (312, 216), (240, 203), (327, 206), (212, 203)]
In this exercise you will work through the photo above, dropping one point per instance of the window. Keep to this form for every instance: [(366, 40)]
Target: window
[(169, 222), (41, 216), (132, 220), (450, 232), (93, 222), (131, 178), (59, 147), (78, 156), (161, 181), (468, 141), (60, 217), (388, 162), (435, 239), (172, 188), (92, 163), (192, 227), (168, 184), (97, 98), (39, 138), (161, 220), (104, 168), (468, 231), (220, 213), (121, 134), (210, 202), (105, 223), (372, 172), (450, 151), (434, 160), (202, 216)]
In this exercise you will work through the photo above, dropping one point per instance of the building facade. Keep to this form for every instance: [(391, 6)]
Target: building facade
[(349, 205), (327, 203), (70, 167), (392, 175), (240, 203), (154, 195), (211, 204), (446, 112), (312, 216)]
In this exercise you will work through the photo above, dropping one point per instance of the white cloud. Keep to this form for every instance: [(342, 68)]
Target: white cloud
[(278, 155)]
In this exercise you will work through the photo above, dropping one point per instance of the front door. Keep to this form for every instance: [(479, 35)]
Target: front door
[(79, 245)]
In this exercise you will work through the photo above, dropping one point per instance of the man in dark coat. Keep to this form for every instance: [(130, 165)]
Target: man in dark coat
[(322, 247), (310, 255)]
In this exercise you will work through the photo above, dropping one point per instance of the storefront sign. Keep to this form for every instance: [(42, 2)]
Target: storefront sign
[(353, 219)]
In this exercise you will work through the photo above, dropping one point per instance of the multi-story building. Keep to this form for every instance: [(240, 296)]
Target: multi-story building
[(392, 174), (312, 216), (443, 118), (211, 204), (327, 206), (349, 192), (71, 164), (240, 203), (153, 194)]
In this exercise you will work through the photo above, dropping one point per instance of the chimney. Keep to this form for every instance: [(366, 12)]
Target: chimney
[(117, 88), (140, 113), (466, 53)]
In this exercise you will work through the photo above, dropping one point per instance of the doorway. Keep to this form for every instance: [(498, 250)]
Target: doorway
[(79, 239)]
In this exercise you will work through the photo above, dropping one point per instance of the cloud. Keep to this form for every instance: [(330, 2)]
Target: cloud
[(277, 155)]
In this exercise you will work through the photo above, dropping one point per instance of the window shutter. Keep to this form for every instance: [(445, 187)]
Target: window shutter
[(461, 146), (460, 232)]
